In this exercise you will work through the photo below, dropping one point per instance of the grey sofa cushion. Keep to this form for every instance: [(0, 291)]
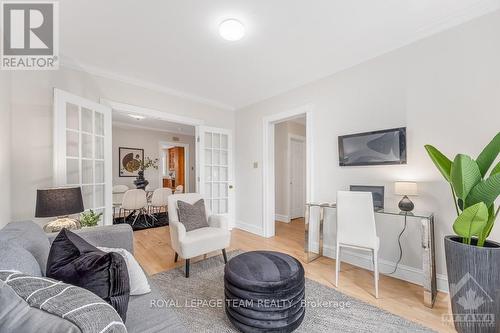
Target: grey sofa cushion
[(192, 216), (29, 236), (14, 257), (65, 302), (147, 313)]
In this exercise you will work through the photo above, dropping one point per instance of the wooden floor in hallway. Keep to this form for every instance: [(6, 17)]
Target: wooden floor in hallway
[(153, 251)]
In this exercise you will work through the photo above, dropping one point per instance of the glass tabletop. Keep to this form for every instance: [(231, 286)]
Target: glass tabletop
[(386, 211)]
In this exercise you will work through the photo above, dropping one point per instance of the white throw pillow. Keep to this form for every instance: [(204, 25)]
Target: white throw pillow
[(138, 282)]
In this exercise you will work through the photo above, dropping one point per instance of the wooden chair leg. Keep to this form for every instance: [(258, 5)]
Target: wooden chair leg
[(176, 257), (224, 255), (187, 268)]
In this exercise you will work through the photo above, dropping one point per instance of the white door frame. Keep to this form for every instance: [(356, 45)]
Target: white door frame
[(291, 137), (156, 114), (186, 161), (268, 179)]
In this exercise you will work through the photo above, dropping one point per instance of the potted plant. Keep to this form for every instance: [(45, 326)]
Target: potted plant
[(140, 182), (473, 261), (89, 218)]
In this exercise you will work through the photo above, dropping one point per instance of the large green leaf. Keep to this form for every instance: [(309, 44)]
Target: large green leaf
[(489, 226), (465, 175), (442, 162), (472, 221), (486, 191), (489, 154)]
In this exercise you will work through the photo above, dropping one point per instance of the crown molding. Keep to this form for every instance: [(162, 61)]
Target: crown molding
[(96, 71), (123, 125), (457, 18)]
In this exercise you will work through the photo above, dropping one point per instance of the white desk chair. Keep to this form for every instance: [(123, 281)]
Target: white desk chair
[(179, 189), (196, 242), (135, 202), (159, 199), (356, 228)]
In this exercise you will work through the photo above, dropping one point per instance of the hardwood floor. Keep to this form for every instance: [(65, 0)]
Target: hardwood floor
[(153, 251)]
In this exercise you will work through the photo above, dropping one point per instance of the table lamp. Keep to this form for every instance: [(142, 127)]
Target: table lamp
[(59, 202), (405, 189)]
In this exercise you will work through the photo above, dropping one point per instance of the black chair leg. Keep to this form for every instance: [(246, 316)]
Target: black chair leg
[(224, 255), (187, 268), (176, 257)]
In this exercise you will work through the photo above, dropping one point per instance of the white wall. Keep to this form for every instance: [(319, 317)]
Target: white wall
[(149, 141), (282, 178), (444, 89), (32, 96), (5, 116)]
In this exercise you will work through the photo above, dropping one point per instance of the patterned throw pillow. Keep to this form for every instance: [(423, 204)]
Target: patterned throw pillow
[(192, 216), (36, 304)]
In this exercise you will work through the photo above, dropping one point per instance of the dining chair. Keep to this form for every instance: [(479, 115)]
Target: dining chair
[(118, 192), (135, 202), (159, 199), (356, 228)]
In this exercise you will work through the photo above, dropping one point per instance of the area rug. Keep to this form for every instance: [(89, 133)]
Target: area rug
[(199, 303), (140, 224)]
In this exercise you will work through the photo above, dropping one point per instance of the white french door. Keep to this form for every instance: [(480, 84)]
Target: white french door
[(215, 173), (82, 150)]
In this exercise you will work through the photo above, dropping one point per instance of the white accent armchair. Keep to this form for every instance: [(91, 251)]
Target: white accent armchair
[(197, 242)]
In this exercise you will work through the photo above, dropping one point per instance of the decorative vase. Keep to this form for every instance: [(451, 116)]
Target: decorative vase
[(141, 183), (474, 285)]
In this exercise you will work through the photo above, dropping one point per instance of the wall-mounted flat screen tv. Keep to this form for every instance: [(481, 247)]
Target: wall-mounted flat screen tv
[(373, 148)]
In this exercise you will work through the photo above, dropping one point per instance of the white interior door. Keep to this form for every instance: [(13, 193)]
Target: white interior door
[(215, 173), (297, 177), (82, 150)]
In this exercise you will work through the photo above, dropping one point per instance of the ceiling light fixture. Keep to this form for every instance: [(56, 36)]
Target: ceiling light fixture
[(231, 30), (136, 117)]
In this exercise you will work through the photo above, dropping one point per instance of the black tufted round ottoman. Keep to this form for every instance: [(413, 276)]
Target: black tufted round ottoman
[(264, 292)]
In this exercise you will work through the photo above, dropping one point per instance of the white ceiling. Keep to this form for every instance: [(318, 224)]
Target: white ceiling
[(174, 46), (122, 119)]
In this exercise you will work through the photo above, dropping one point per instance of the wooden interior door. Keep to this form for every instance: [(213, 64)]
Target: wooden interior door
[(176, 163)]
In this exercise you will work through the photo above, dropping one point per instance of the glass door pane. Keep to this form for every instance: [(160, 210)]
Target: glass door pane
[(81, 141)]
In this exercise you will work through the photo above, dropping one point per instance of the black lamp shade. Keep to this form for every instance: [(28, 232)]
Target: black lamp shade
[(59, 202)]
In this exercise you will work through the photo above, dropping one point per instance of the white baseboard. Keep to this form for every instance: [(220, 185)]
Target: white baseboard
[(282, 218), (249, 228), (403, 272)]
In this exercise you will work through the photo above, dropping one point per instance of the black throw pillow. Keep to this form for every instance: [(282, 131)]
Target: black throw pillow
[(74, 261)]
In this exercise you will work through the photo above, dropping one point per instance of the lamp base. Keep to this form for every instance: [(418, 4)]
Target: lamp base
[(61, 223), (406, 205)]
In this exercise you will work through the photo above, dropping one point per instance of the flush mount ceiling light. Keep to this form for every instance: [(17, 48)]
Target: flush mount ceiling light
[(231, 30), (136, 116)]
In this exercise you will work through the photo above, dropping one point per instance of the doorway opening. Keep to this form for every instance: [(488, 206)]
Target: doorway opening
[(290, 174), (287, 170), (168, 145)]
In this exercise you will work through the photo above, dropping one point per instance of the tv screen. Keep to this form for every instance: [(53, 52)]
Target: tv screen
[(373, 148)]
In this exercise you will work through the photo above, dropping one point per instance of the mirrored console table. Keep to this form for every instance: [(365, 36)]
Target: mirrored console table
[(313, 247)]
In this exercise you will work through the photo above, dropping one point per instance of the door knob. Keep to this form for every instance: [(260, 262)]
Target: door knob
[(230, 187)]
